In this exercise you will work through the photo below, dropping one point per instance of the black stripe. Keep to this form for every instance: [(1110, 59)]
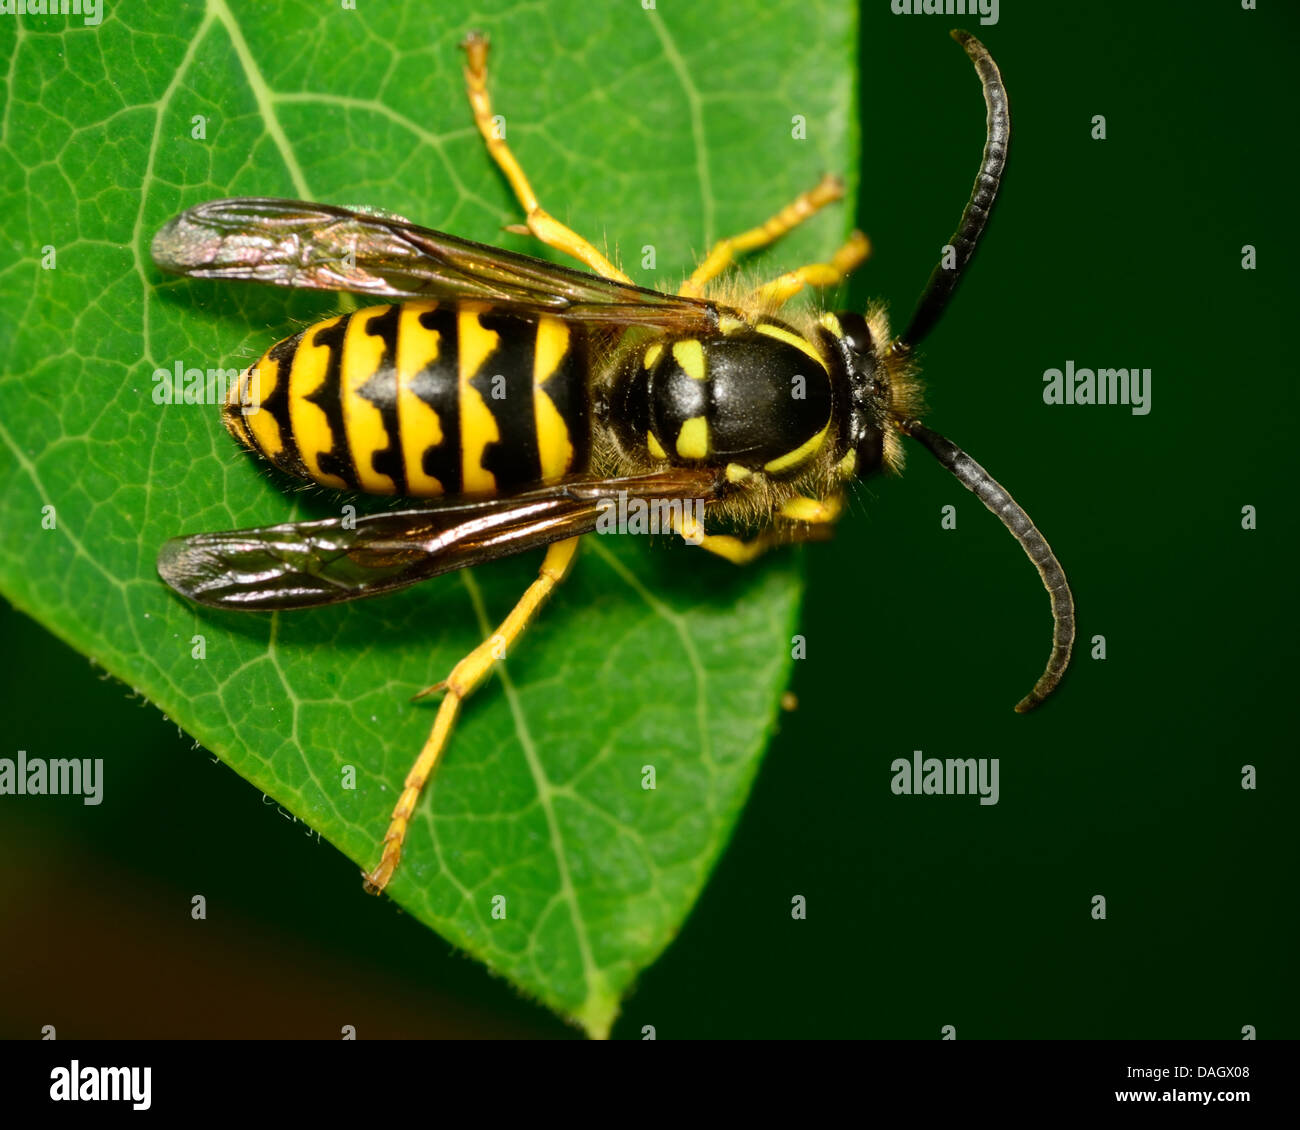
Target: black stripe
[(505, 381), (338, 459), (438, 385), (381, 391), (627, 412), (277, 404)]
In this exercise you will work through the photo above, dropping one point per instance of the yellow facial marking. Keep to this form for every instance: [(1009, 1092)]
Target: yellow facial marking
[(362, 421), (654, 446), (554, 446), (799, 455), (310, 427), (652, 355), (693, 439), (690, 356), (478, 428), (417, 422), (782, 334)]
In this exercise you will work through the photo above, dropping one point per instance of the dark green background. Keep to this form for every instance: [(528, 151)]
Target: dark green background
[(922, 912)]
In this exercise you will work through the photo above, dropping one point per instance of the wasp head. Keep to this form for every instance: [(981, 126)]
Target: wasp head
[(876, 390)]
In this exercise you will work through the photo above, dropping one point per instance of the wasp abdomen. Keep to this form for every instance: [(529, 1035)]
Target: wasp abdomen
[(421, 399)]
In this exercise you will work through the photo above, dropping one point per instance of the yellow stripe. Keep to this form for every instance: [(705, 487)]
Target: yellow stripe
[(477, 426), (310, 427), (554, 446), (690, 356), (417, 421), (652, 355), (800, 454), (362, 421), (693, 439), (782, 334), (654, 446), (262, 425)]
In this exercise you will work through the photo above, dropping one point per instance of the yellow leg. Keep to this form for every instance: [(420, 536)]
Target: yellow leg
[(464, 678), (848, 258), (724, 252), (741, 552), (724, 545), (811, 510), (734, 549), (540, 222)]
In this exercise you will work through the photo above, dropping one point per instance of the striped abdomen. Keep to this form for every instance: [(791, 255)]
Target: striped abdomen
[(421, 399)]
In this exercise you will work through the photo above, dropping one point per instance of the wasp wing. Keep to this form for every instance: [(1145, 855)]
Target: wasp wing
[(292, 243), (304, 564)]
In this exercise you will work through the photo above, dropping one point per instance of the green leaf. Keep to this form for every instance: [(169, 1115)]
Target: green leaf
[(666, 128)]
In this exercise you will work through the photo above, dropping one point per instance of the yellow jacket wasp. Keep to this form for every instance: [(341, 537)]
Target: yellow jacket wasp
[(605, 387)]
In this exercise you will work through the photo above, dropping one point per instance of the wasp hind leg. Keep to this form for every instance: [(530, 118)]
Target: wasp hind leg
[(536, 219), (828, 190), (465, 677)]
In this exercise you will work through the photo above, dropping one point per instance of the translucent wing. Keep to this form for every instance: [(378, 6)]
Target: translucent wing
[(291, 243), (300, 565)]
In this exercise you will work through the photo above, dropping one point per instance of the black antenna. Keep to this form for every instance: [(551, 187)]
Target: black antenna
[(990, 492), (943, 280)]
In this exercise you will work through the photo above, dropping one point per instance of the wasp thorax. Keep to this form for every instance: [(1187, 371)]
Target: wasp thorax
[(759, 397)]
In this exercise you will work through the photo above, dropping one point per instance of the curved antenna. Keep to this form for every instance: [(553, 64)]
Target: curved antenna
[(990, 492), (943, 281)]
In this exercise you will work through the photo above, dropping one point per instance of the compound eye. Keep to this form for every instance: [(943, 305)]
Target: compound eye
[(870, 451), (857, 334)]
